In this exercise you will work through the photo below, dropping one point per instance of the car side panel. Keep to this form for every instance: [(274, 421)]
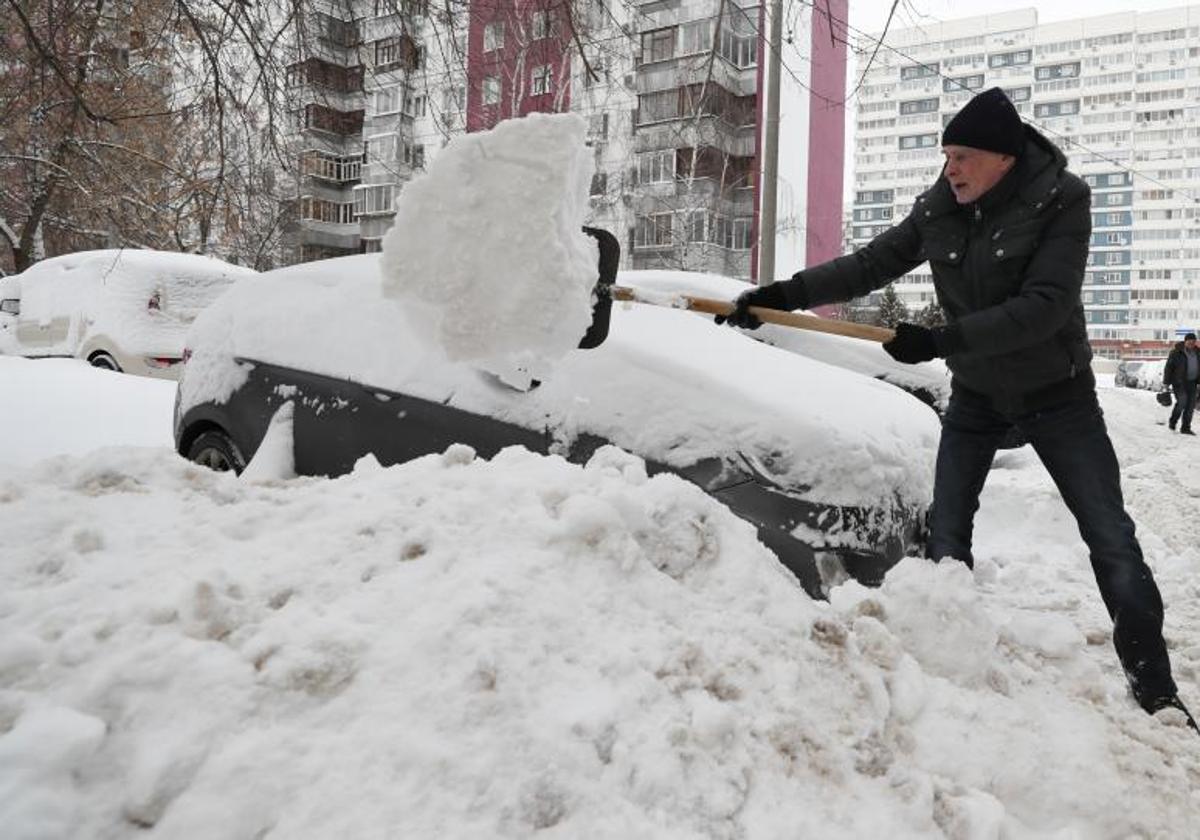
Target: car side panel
[(336, 422)]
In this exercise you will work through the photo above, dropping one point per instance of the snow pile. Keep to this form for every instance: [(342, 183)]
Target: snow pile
[(461, 648), (489, 240), (65, 406)]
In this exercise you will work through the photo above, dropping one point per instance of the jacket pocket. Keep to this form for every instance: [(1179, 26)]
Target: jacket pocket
[(1009, 252)]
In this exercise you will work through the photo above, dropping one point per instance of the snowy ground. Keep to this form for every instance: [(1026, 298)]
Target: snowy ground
[(461, 648)]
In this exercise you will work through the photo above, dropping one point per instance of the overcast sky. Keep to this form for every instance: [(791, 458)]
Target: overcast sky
[(870, 15)]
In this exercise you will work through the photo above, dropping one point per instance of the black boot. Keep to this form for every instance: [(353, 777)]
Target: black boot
[(1157, 704)]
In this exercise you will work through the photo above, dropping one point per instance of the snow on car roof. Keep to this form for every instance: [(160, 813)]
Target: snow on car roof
[(665, 384)]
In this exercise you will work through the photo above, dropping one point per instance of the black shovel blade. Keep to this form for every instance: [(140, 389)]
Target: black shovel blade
[(610, 259)]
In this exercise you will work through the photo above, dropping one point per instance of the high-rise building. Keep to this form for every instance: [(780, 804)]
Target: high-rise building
[(671, 92), (1118, 93)]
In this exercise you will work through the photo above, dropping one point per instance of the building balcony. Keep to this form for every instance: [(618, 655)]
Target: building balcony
[(705, 130)]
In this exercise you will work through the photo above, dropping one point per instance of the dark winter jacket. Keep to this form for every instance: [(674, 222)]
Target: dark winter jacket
[(1007, 270), (1175, 370)]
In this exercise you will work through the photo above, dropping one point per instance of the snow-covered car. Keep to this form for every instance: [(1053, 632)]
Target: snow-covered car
[(10, 305), (1144, 374), (832, 467), (125, 310)]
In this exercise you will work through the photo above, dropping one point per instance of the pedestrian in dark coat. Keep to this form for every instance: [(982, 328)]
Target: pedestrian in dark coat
[(1005, 230), (1181, 374)]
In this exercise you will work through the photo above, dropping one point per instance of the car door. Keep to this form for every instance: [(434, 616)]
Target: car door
[(336, 422)]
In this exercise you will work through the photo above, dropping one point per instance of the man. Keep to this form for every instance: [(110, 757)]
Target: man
[(1181, 373), (1005, 230)]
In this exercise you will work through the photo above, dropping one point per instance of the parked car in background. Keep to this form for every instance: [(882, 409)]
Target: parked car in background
[(10, 305), (1146, 374), (125, 310), (833, 468)]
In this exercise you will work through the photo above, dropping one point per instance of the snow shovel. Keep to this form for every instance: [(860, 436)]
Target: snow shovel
[(607, 292)]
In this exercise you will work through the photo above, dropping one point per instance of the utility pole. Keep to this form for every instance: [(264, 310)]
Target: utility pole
[(770, 164)]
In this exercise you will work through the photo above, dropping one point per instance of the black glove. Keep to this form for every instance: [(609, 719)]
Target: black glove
[(770, 296), (914, 343)]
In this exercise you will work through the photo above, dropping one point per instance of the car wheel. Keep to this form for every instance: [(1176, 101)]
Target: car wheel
[(104, 361), (217, 451)]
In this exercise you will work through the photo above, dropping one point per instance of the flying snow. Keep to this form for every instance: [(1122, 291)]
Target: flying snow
[(489, 243)]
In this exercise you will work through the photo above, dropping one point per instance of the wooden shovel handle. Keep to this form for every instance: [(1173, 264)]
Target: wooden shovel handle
[(770, 316)]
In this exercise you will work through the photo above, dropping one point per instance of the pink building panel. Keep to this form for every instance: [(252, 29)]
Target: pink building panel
[(516, 55)]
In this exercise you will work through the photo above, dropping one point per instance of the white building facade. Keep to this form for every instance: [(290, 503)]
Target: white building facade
[(1119, 94)]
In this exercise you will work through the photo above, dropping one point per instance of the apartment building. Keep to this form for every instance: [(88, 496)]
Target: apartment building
[(670, 90), (1118, 93)]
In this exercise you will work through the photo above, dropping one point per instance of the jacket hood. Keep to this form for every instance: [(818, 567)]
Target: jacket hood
[(1040, 167)]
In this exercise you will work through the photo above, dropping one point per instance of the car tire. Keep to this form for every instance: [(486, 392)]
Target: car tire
[(217, 451), (104, 361)]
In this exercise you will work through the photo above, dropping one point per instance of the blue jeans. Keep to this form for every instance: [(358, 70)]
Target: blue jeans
[(1185, 405), (1072, 442)]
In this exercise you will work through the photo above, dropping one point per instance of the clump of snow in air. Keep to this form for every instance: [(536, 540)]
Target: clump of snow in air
[(489, 243)]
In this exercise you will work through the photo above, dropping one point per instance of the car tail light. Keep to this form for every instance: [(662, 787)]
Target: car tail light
[(162, 361)]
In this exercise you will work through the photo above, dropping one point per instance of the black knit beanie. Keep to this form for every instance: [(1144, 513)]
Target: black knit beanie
[(990, 122)]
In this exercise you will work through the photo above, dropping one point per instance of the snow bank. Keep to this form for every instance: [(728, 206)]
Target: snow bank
[(461, 648), (66, 406), (488, 243)]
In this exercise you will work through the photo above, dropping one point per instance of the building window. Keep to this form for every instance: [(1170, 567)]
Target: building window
[(733, 234), (322, 210), (694, 225), (973, 82), (919, 106), (491, 90), (389, 99), (1070, 70), (653, 107), (653, 231), (541, 80), (381, 148), (1010, 59), (541, 25), (918, 141), (374, 199), (414, 104), (656, 167), (599, 184), (696, 37), (919, 71), (493, 36), (321, 164), (658, 45)]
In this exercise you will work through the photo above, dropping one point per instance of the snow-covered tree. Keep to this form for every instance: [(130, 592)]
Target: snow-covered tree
[(891, 309)]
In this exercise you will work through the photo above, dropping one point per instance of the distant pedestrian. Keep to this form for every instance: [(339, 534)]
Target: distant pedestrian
[(1181, 375)]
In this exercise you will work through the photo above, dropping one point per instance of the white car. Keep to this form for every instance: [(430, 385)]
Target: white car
[(125, 310), (834, 468)]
